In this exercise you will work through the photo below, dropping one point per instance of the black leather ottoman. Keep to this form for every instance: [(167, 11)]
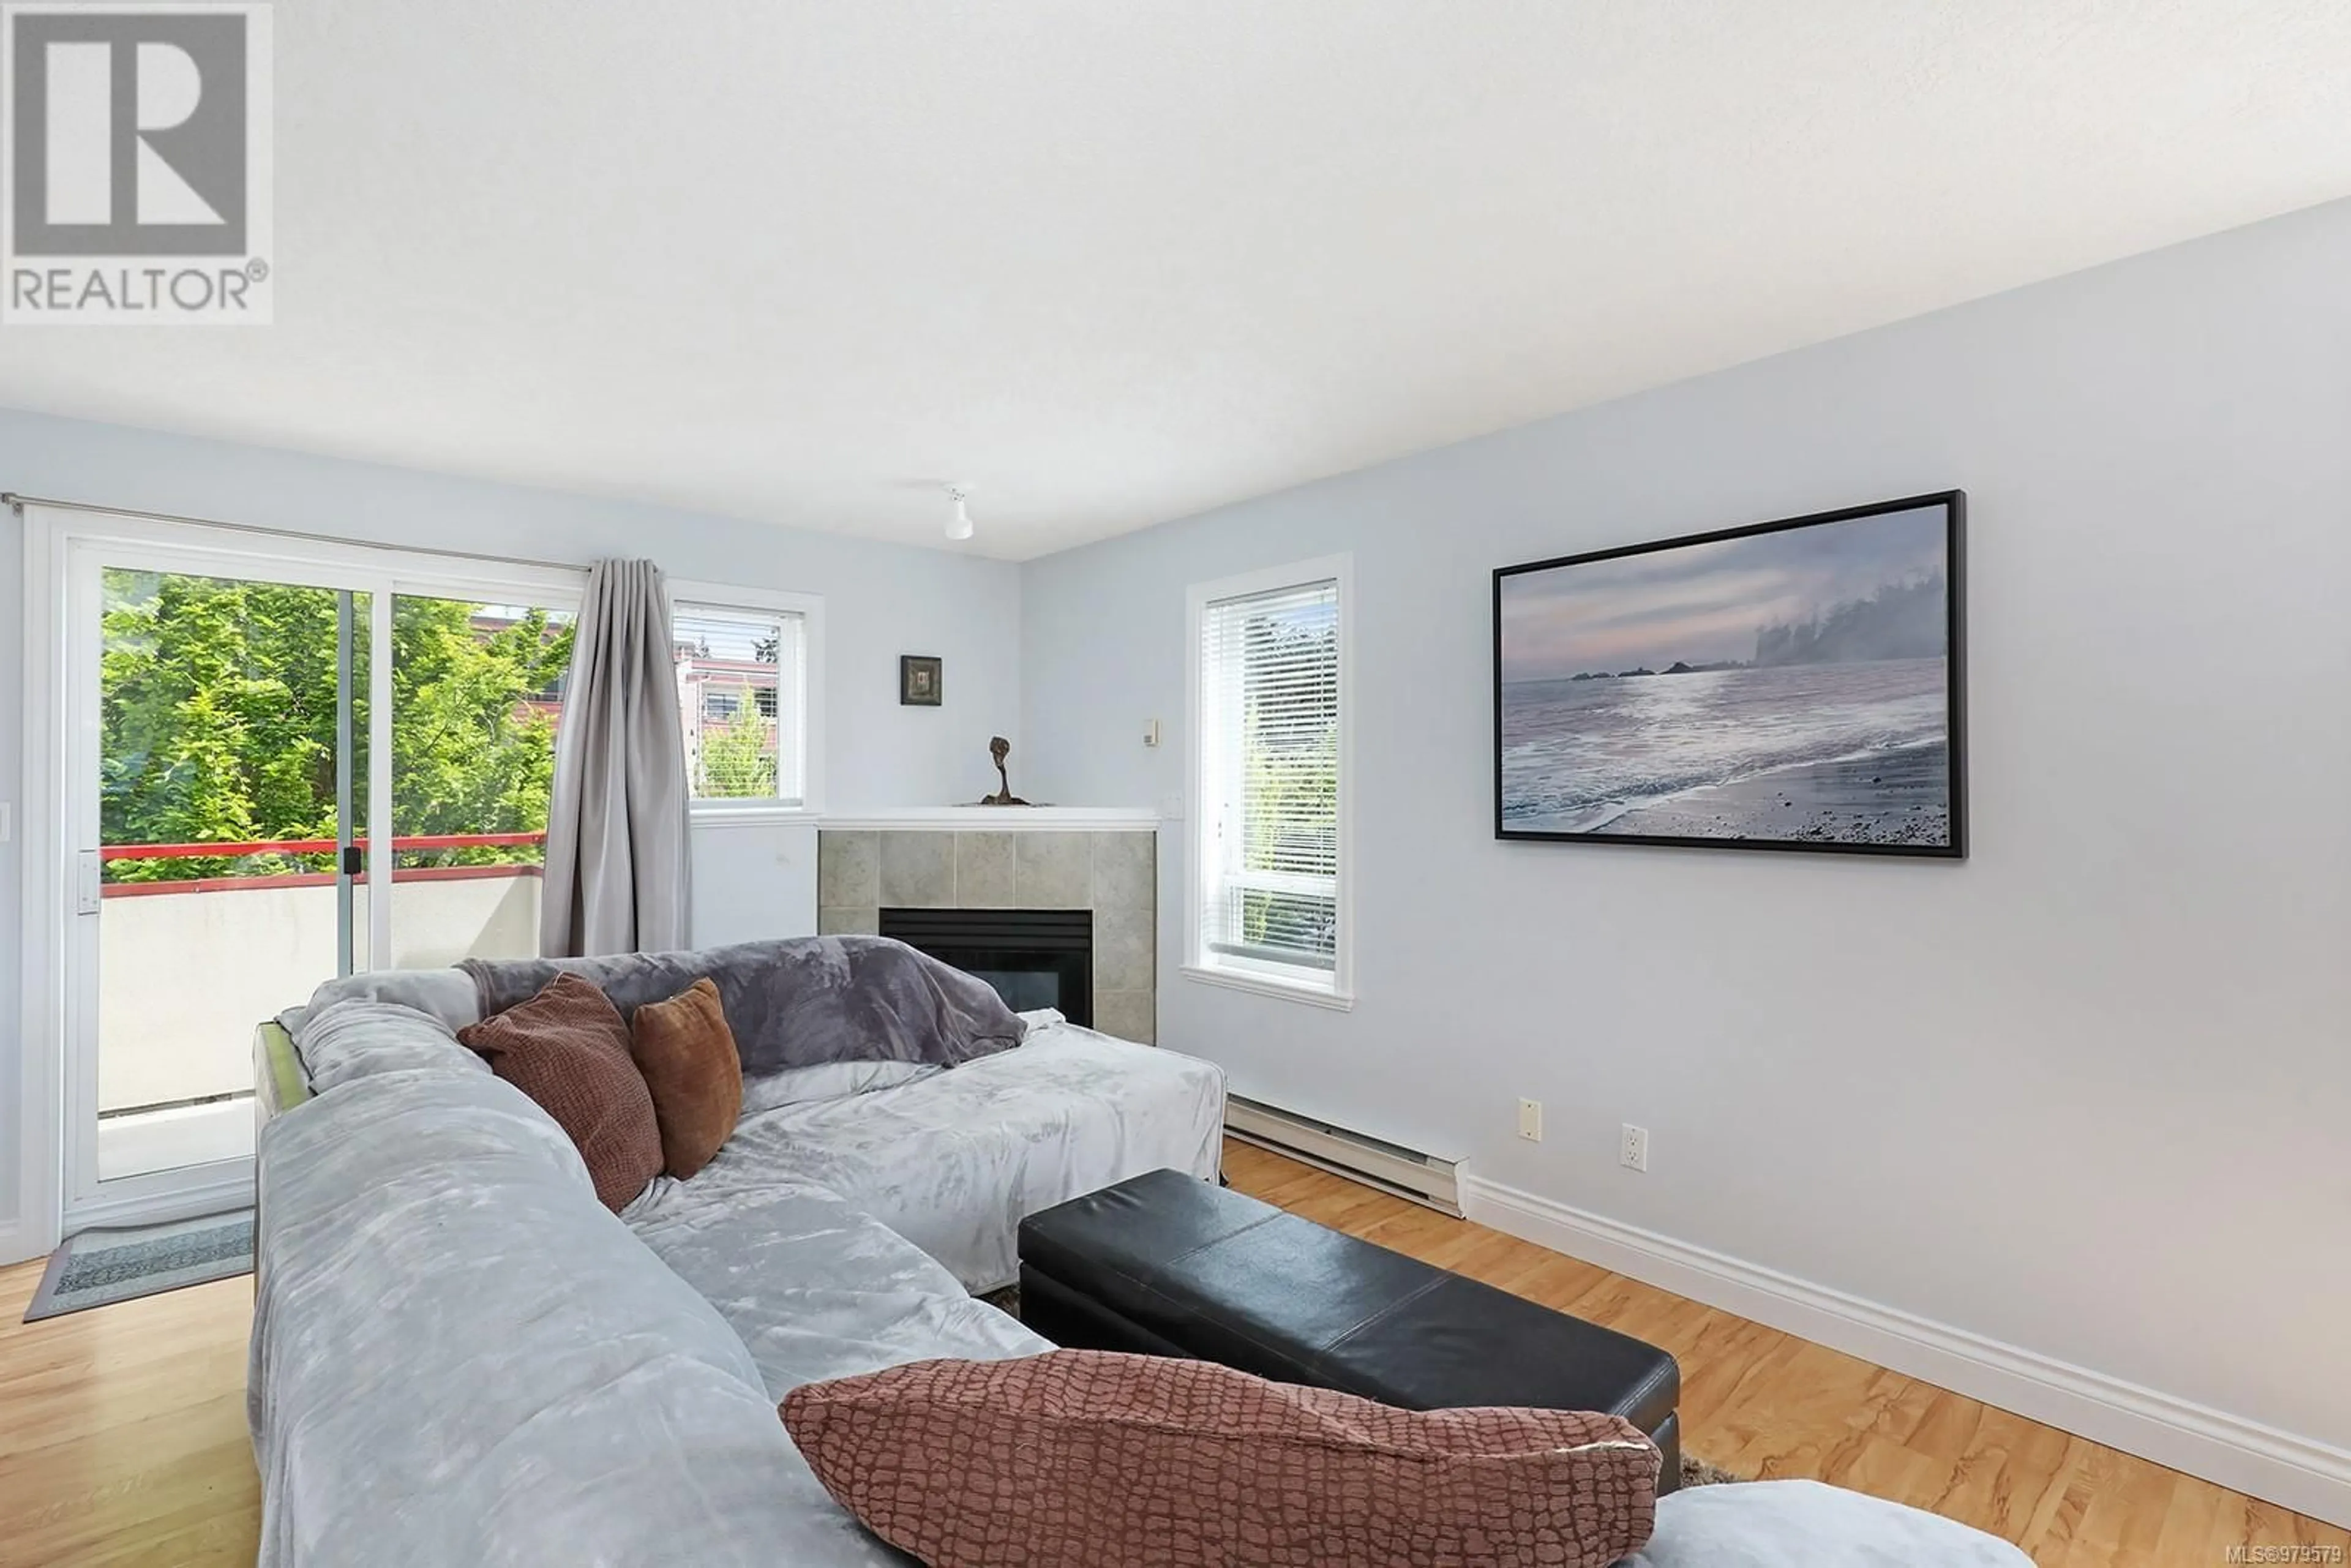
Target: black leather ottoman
[(1169, 1265)]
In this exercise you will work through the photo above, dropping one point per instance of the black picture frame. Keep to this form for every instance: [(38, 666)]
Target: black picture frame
[(1954, 505), (922, 680)]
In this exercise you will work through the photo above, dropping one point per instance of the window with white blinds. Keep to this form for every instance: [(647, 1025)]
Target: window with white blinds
[(1270, 850), (744, 662)]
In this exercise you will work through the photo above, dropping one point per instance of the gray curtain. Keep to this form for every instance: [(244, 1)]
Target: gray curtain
[(618, 871)]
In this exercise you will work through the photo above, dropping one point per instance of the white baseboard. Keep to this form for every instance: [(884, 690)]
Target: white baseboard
[(2278, 1466)]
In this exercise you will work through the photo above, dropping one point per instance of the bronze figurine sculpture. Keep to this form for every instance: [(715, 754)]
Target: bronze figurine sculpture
[(1000, 749)]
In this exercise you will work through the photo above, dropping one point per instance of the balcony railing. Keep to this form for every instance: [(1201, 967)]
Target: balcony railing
[(184, 976), (111, 854)]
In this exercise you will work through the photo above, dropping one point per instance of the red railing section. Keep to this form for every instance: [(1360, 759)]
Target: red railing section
[(315, 847)]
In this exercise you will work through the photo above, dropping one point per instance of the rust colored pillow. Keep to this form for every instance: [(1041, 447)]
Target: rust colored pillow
[(686, 1052), (1133, 1461), (568, 1050)]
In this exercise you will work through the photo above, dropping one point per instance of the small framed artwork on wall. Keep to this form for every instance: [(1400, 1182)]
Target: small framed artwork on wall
[(920, 680)]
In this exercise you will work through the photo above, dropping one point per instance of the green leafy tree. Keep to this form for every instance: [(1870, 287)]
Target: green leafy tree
[(739, 756), (472, 725), (217, 703), (738, 759)]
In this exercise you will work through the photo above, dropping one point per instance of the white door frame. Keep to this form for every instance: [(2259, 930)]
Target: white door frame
[(64, 548)]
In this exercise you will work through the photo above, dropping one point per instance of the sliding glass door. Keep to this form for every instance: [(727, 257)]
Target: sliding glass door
[(244, 730)]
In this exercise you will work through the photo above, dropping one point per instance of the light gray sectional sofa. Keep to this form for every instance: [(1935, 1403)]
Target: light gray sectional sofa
[(461, 1357)]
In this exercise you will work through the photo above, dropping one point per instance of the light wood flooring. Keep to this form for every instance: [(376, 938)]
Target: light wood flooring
[(122, 1436)]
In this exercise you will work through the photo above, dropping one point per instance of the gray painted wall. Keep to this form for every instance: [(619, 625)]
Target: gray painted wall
[(2083, 1093), (881, 600)]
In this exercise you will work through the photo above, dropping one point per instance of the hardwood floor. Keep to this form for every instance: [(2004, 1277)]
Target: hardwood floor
[(122, 1436)]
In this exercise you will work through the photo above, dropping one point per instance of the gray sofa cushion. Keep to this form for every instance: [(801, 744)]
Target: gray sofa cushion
[(952, 1160), (1803, 1524), (817, 1289), (447, 995), (343, 1041)]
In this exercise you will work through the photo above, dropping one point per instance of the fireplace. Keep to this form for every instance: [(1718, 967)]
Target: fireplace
[(1034, 957), (982, 874)]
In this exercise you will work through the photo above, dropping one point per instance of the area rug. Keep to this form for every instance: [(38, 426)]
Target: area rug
[(99, 1268), (1696, 1472)]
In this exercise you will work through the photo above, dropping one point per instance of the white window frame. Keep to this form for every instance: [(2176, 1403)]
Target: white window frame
[(1334, 987), (726, 599)]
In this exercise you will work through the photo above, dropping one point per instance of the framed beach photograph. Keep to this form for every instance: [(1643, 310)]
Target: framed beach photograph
[(921, 681), (1789, 686)]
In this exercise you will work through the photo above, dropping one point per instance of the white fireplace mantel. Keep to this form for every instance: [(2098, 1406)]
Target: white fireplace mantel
[(993, 819)]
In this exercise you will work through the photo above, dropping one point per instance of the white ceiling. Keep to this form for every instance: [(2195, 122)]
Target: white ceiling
[(1115, 263)]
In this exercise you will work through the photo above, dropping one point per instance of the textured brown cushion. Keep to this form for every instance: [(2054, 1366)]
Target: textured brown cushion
[(568, 1050), (1089, 1458), (686, 1052)]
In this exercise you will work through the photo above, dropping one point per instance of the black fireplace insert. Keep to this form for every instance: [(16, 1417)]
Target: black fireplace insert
[(1034, 957)]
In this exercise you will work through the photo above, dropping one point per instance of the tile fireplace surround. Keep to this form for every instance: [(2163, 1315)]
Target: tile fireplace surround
[(1010, 857)]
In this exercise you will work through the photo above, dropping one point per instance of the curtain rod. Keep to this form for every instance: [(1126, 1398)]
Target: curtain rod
[(10, 499)]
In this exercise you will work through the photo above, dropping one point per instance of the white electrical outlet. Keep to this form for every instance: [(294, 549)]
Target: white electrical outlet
[(1151, 733), (1531, 1121), (6, 822), (1634, 1153)]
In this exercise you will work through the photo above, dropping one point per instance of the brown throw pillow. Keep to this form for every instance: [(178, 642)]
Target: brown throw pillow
[(686, 1052), (1131, 1461), (568, 1050)]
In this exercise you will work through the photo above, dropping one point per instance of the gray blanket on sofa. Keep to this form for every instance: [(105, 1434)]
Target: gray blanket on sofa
[(801, 1002)]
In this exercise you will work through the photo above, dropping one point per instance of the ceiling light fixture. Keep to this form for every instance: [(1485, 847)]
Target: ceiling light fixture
[(959, 526)]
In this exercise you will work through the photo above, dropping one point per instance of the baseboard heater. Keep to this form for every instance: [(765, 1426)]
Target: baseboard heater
[(1407, 1172)]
